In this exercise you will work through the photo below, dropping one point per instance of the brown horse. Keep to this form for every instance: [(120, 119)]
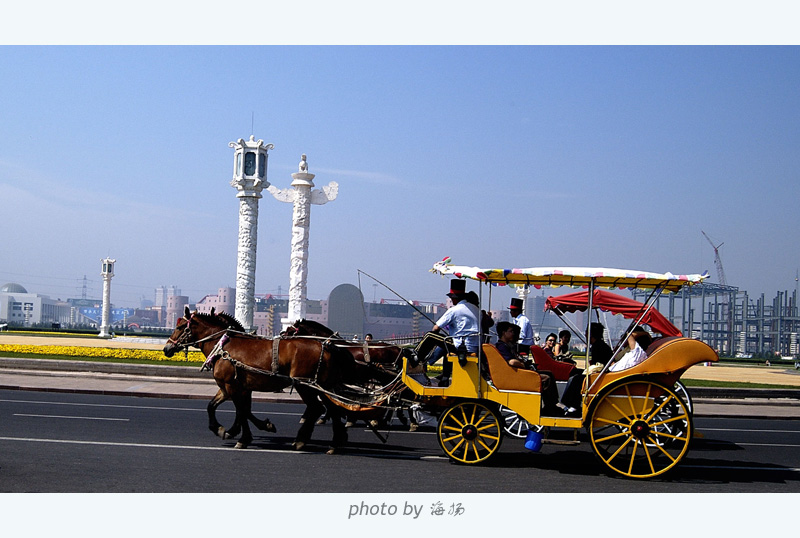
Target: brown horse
[(385, 355), (243, 363), (382, 355)]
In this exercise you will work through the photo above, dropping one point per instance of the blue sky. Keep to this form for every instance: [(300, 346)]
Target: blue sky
[(615, 156)]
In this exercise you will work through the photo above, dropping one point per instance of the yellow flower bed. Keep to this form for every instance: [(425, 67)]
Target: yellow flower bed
[(101, 352)]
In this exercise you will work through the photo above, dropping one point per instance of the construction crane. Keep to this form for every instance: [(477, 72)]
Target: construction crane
[(717, 260)]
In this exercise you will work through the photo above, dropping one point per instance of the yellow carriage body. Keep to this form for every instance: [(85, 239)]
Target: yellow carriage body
[(637, 424), (520, 390)]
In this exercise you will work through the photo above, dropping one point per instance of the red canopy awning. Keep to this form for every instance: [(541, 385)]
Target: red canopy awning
[(616, 304)]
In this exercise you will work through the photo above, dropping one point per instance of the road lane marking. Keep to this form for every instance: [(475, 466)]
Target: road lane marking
[(251, 450), (749, 430), (147, 445), (67, 416), (767, 444), (735, 468), (117, 406)]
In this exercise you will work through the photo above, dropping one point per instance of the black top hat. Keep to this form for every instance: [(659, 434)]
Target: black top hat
[(457, 288), (516, 304)]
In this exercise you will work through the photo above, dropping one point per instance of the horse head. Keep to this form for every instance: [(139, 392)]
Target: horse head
[(195, 327)]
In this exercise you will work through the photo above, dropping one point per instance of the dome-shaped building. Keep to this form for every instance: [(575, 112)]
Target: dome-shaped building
[(12, 287)]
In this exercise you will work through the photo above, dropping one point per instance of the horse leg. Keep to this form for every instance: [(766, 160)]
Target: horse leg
[(242, 403), (310, 410), (339, 429), (324, 418), (265, 424), (413, 422), (213, 424), (314, 409), (236, 427)]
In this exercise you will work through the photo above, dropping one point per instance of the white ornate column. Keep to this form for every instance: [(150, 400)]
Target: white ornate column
[(249, 179), (522, 293), (302, 197), (107, 274)]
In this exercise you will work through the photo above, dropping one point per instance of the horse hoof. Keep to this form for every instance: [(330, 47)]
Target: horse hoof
[(298, 445), (320, 422), (270, 428), (302, 421), (222, 433), (413, 427), (331, 451), (374, 423), (348, 424), (240, 445)]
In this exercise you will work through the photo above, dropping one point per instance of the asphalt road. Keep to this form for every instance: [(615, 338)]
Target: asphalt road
[(73, 443)]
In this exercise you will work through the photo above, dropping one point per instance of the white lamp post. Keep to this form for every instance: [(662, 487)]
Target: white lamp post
[(107, 274), (249, 178)]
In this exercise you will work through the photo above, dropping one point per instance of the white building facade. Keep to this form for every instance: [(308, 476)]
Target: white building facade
[(18, 307)]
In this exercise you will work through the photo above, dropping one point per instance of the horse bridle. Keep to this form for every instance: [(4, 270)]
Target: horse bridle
[(182, 342)]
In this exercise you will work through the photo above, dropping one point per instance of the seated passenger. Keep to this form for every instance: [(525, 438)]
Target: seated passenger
[(486, 319), (600, 352), (508, 334), (549, 344), (638, 341), (561, 349)]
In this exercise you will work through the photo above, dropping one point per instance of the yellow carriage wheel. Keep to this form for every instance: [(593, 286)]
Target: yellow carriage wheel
[(470, 432), (640, 428)]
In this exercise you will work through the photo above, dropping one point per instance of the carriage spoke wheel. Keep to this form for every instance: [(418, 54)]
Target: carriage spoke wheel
[(680, 390), (640, 428), (470, 432), (514, 425)]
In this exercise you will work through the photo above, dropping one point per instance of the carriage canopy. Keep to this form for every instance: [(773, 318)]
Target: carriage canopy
[(577, 277), (616, 304)]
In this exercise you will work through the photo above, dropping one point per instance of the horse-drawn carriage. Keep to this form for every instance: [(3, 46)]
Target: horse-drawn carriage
[(637, 423)]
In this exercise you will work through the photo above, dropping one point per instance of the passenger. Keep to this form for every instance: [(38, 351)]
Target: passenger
[(600, 352), (486, 319), (525, 328), (507, 334), (638, 341), (549, 343), (561, 349)]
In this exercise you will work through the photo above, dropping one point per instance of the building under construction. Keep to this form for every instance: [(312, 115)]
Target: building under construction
[(732, 322)]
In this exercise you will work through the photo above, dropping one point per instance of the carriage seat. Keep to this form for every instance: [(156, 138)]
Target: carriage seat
[(561, 370), (507, 377)]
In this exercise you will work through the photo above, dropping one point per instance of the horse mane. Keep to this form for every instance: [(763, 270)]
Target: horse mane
[(314, 326), (228, 321), (232, 322)]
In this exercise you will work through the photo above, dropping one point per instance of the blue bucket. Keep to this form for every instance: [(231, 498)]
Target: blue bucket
[(533, 441)]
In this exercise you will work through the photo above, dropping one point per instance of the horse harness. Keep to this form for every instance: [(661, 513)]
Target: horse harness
[(379, 397)]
